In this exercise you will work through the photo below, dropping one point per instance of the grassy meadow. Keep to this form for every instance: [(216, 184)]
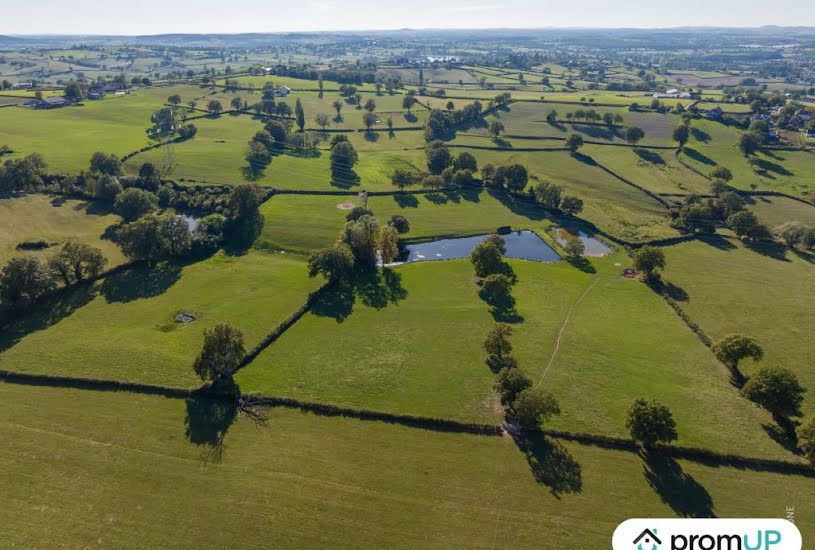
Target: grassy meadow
[(41, 217), (123, 328)]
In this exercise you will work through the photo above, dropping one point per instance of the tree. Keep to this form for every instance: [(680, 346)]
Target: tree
[(487, 259), (149, 174), (495, 288), (370, 105), (133, 203), (278, 131), (244, 201), (357, 212), (106, 164), (516, 177), (215, 107), (574, 142), (362, 236), (265, 139), (571, 206), (498, 346), (23, 280), (575, 248), (408, 102), (533, 408), (144, 239), (681, 135), (389, 244), (343, 159), (496, 128), (634, 135), (402, 178), (465, 161), (337, 107), (509, 382), (369, 119), (105, 188), (257, 156), (721, 173), (222, 353), (650, 422), (322, 120), (732, 348), (236, 103), (76, 262), (743, 224), (299, 115), (334, 262), (451, 106), (438, 157), (488, 173), (648, 259), (777, 390), (749, 143), (174, 100), (806, 440), (400, 223), (793, 234), (548, 194)]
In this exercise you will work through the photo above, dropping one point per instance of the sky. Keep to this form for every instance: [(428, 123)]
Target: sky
[(218, 16)]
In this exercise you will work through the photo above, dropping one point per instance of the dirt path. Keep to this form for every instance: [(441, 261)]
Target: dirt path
[(562, 330)]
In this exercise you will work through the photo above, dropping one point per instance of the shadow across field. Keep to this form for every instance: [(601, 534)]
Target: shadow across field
[(551, 464), (373, 288), (698, 157), (678, 489)]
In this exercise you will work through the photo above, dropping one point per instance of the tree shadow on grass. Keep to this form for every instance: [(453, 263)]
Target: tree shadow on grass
[(551, 463), (649, 156), (770, 250), (782, 436), (141, 281), (374, 288), (437, 198), (242, 235), (47, 313), (597, 132), (585, 159), (678, 489), (208, 420), (698, 157), (717, 241), (768, 166), (406, 200), (582, 263), (700, 135)]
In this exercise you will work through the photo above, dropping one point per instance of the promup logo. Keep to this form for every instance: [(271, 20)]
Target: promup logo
[(707, 534), (647, 540)]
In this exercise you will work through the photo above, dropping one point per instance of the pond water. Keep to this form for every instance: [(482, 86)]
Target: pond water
[(594, 247), (520, 244), (192, 222)]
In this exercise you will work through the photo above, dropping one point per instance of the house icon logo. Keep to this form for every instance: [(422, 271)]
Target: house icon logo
[(648, 540)]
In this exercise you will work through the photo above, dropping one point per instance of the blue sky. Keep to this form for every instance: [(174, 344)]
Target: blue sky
[(165, 16)]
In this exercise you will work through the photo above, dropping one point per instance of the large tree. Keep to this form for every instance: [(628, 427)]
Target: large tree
[(299, 115), (777, 390), (244, 201), (23, 280), (438, 157), (681, 135), (649, 259), (534, 407), (487, 259), (362, 236), (806, 439), (134, 203), (650, 422), (509, 382), (222, 353), (634, 135), (105, 164), (77, 261), (732, 348), (334, 263), (343, 159)]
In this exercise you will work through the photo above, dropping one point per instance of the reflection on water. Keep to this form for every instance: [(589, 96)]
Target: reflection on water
[(594, 247), (521, 244)]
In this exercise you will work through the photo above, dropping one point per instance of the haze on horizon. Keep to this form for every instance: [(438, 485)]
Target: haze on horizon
[(148, 17)]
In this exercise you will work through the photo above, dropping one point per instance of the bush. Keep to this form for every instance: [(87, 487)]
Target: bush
[(134, 203)]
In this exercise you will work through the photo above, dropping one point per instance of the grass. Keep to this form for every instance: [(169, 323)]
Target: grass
[(73, 477), (763, 291), (67, 137), (40, 217), (774, 211), (714, 144), (302, 223), (459, 213), (123, 328), (375, 347)]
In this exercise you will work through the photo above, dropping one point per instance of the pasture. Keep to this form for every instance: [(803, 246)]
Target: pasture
[(124, 327)]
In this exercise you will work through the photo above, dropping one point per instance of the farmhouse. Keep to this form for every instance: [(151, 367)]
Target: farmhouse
[(282, 91), (673, 92), (47, 103), (96, 93)]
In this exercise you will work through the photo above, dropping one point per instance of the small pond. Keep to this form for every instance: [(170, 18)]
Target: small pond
[(192, 221), (520, 244), (594, 247)]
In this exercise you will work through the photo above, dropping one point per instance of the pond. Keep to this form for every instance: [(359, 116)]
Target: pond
[(594, 247), (520, 244)]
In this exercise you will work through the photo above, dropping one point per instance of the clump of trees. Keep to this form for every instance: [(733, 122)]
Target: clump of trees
[(343, 159), (551, 196), (25, 174)]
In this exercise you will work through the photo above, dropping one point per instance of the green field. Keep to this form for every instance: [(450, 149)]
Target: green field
[(74, 477), (763, 291), (123, 328), (774, 211), (40, 217)]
